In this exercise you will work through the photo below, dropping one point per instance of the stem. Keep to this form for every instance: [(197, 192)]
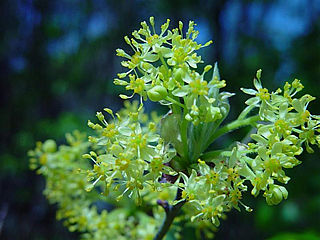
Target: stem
[(163, 61), (171, 213), (170, 99), (245, 112), (234, 125), (184, 137), (141, 71)]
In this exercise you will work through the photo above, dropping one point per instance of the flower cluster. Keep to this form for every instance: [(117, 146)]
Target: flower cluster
[(166, 164), (212, 191), (286, 126), (130, 153), (162, 69), (65, 186)]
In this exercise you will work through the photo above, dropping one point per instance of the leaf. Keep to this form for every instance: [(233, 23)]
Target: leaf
[(187, 79), (233, 158), (106, 158), (226, 95), (151, 58), (126, 131), (168, 170), (184, 177), (276, 148), (169, 155), (153, 138), (181, 92), (166, 52), (259, 139), (297, 105), (283, 109), (257, 84), (192, 63), (102, 141), (218, 200), (249, 91), (252, 101), (269, 115), (262, 151), (284, 192), (246, 172), (170, 131), (264, 131)]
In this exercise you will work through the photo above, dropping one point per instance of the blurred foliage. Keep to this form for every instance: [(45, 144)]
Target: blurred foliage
[(296, 236), (57, 63)]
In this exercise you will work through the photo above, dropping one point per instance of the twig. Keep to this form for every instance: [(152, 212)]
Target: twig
[(171, 212)]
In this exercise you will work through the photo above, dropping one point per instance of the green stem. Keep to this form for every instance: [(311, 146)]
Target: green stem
[(170, 99), (245, 112), (234, 125), (184, 136), (163, 62), (141, 71)]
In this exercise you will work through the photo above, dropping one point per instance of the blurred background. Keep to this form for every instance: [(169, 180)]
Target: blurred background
[(57, 64)]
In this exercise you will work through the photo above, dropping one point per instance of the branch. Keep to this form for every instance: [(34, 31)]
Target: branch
[(171, 212)]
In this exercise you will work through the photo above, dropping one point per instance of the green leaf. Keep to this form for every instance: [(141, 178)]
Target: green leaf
[(218, 200), (181, 92), (126, 131), (297, 105), (262, 151), (276, 148), (259, 139), (252, 101), (233, 158), (246, 172), (192, 63), (170, 131), (151, 57), (249, 91), (257, 84)]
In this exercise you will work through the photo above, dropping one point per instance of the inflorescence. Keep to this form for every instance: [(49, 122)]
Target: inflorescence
[(148, 158)]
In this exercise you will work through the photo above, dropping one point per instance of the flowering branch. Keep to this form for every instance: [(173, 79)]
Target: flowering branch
[(130, 151)]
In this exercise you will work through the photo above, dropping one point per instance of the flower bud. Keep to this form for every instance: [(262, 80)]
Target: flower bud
[(258, 74), (49, 146), (207, 68), (120, 52), (275, 194), (179, 74), (126, 38), (100, 116), (86, 156), (151, 19), (89, 187), (157, 93)]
